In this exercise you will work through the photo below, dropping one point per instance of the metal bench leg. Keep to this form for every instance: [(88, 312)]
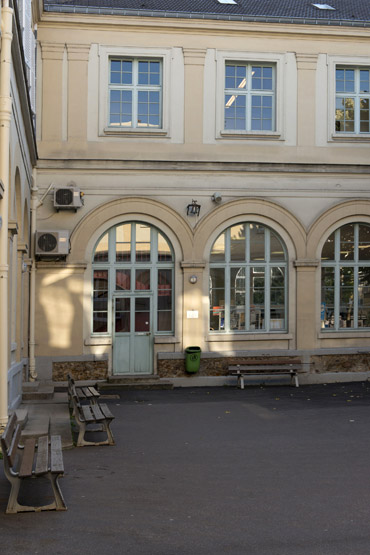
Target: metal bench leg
[(59, 500), (296, 380), (109, 433)]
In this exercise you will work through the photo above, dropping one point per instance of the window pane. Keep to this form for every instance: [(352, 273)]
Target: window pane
[(347, 242), (101, 251), (328, 250), (218, 249), (164, 249), (364, 115), (217, 298), (237, 298), (257, 298), (142, 243), (277, 251), (122, 315), (123, 243), (100, 322), (364, 242), (142, 314), (257, 242), (123, 280), (142, 279), (364, 80), (277, 298), (235, 112), (237, 242), (346, 297), (327, 297), (364, 297), (164, 321)]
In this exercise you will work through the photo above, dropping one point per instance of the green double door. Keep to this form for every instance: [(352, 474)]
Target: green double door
[(132, 334)]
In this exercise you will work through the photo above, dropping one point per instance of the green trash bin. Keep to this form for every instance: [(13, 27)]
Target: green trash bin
[(192, 359)]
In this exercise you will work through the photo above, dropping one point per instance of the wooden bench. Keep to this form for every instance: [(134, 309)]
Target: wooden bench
[(41, 457), (270, 367), (84, 393), (92, 414)]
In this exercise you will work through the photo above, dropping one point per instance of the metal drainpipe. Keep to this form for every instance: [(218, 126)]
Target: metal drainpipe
[(35, 204), (5, 118)]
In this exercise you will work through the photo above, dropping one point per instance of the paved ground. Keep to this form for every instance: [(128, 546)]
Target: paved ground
[(264, 471)]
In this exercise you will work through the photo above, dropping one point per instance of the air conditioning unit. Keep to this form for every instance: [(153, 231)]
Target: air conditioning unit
[(67, 198), (52, 243)]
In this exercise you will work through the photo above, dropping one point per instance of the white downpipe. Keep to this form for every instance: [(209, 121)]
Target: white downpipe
[(35, 204), (5, 119)]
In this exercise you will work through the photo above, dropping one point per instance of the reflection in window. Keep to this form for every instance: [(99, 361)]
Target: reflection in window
[(132, 259), (345, 278), (248, 280)]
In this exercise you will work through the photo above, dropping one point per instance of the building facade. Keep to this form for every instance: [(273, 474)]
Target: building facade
[(17, 160), (205, 176)]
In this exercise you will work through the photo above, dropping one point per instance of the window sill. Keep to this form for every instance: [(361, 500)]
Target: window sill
[(164, 339), (340, 334), (263, 336), (153, 133), (250, 135), (96, 340), (345, 137)]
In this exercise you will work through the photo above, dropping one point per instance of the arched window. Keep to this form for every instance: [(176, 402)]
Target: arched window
[(345, 278), (132, 262), (248, 282)]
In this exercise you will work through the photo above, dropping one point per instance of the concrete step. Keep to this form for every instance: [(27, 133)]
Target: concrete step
[(135, 382), (36, 391)]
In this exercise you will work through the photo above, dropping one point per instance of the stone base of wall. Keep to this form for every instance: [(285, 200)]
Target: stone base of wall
[(340, 363), (314, 364), (80, 370), (175, 368)]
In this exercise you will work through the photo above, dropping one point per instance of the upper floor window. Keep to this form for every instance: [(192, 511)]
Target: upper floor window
[(352, 100), (249, 97), (248, 280), (345, 278), (135, 93)]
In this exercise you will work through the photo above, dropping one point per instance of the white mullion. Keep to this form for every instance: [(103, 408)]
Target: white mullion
[(247, 271), (355, 274), (337, 279), (248, 104), (154, 268), (267, 280), (227, 271), (135, 87)]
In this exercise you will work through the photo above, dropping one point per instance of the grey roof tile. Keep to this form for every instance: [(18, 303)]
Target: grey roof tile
[(345, 10)]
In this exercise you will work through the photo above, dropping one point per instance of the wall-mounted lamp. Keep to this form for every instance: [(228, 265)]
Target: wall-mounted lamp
[(193, 209), (193, 279)]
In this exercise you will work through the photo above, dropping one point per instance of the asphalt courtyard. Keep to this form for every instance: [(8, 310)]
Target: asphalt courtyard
[(264, 471)]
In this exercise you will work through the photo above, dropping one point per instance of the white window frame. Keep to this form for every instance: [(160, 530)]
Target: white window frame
[(337, 264), (106, 53), (250, 58), (346, 62)]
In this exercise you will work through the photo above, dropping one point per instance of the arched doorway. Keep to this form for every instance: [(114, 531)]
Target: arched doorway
[(133, 266)]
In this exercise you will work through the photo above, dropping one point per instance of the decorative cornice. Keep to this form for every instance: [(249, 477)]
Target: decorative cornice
[(78, 52), (194, 56), (309, 263), (52, 50), (306, 61)]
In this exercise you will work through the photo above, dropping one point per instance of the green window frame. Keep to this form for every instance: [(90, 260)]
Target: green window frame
[(129, 258), (248, 280), (345, 279)]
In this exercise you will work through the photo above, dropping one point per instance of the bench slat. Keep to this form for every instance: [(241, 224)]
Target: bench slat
[(27, 458), (274, 361), (56, 455), (266, 368), (12, 451), (42, 461), (98, 415), (105, 410), (86, 413), (8, 433)]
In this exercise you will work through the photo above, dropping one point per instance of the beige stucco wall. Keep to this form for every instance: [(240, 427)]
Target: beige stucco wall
[(300, 180)]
